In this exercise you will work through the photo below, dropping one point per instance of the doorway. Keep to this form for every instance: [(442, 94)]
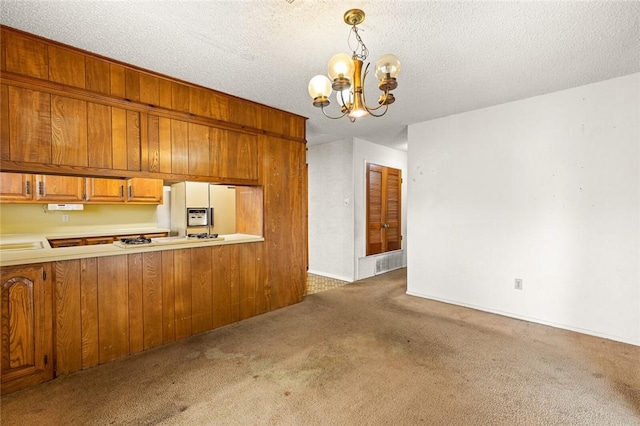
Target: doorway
[(384, 228)]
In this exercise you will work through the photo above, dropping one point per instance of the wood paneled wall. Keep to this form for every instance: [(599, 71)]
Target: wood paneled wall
[(69, 112), (35, 57), (110, 307), (285, 204)]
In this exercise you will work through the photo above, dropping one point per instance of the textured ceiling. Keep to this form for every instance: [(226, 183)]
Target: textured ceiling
[(455, 56)]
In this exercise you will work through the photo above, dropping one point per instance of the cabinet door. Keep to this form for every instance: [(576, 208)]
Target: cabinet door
[(233, 154), (156, 235), (66, 242), (167, 146), (68, 131), (105, 190), (144, 190), (16, 187), (241, 159), (28, 124), (92, 241), (66, 189), (27, 326)]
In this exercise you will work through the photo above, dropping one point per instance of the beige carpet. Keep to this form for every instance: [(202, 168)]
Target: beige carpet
[(363, 353)]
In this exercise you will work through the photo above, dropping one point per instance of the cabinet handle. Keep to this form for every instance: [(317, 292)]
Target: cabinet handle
[(27, 187), (130, 191), (121, 191), (40, 188)]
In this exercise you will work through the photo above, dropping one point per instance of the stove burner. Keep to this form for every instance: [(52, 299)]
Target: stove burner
[(135, 241), (202, 236)]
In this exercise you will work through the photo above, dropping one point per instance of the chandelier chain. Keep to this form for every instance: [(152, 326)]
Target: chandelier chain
[(360, 52)]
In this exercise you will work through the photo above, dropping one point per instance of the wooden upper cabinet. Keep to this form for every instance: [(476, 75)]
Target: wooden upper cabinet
[(158, 145), (143, 190), (200, 163), (68, 131), (26, 122), (167, 146), (132, 84), (244, 113), (114, 138), (68, 189), (27, 188), (234, 154), (155, 91), (181, 148), (101, 147), (97, 75), (240, 158), (50, 129), (66, 67), (16, 187), (84, 117), (117, 80), (207, 103), (124, 146), (105, 190), (179, 97), (179, 153), (25, 55), (27, 326)]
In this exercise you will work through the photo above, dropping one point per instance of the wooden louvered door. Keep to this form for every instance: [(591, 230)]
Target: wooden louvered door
[(383, 209)]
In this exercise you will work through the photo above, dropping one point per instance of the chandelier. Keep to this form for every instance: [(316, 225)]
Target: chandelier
[(347, 78)]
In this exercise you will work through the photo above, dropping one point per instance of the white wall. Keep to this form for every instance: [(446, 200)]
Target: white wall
[(366, 152), (337, 205), (545, 189), (331, 209)]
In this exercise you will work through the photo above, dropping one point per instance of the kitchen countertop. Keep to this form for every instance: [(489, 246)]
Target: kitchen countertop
[(28, 249)]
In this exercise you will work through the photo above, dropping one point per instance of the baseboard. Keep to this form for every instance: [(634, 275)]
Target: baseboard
[(335, 277), (530, 319)]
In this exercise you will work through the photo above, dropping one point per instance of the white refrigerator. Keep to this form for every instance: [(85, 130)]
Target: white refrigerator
[(218, 201)]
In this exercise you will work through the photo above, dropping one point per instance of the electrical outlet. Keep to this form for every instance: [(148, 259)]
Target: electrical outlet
[(518, 284), (65, 218)]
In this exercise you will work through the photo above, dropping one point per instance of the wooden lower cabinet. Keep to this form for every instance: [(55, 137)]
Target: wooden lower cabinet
[(111, 307), (103, 239), (66, 242), (27, 326)]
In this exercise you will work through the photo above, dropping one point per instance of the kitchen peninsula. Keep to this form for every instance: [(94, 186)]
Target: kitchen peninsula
[(69, 113)]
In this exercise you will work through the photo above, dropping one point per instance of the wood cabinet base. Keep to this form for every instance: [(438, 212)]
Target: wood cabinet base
[(27, 326), (111, 307)]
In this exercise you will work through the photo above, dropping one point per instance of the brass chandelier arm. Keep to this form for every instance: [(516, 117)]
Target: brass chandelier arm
[(333, 118), (364, 101), (379, 115)]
